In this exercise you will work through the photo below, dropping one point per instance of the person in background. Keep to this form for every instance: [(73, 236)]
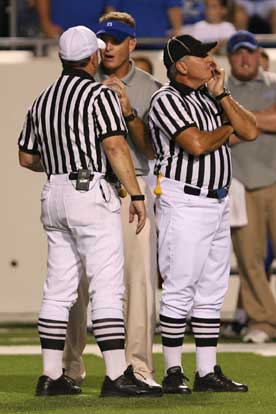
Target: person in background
[(155, 18), (254, 166), (144, 63), (215, 27), (264, 59), (56, 15), (134, 88), (257, 16)]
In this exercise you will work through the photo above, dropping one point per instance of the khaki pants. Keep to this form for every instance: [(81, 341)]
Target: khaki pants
[(249, 244), (140, 284)]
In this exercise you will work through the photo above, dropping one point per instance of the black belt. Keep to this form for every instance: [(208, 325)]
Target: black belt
[(218, 194), (74, 176)]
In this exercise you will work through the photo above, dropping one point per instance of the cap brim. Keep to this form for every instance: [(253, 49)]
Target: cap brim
[(245, 45), (101, 44), (118, 35)]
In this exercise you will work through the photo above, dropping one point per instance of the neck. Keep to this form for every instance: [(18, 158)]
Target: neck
[(191, 83), (119, 72)]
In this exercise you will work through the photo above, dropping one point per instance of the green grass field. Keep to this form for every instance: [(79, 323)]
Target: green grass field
[(18, 377)]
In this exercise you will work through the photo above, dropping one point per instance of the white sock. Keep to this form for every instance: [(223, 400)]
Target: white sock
[(172, 356), (52, 363), (205, 359), (115, 363)]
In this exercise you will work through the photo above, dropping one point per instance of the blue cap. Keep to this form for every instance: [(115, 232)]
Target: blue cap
[(119, 30), (242, 38)]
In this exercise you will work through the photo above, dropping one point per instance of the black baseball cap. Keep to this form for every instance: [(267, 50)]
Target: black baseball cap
[(184, 45)]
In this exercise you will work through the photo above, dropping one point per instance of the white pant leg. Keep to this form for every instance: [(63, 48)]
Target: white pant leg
[(186, 225), (213, 283)]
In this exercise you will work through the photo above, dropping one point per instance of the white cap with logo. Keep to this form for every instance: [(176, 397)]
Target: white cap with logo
[(78, 43)]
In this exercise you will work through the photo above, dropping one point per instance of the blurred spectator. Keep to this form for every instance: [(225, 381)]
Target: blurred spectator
[(257, 16), (264, 59), (27, 19), (255, 167), (154, 18), (57, 15), (144, 63), (192, 11), (4, 31), (215, 27)]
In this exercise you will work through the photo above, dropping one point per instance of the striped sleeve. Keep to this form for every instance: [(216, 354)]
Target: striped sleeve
[(27, 140), (170, 115), (108, 115)]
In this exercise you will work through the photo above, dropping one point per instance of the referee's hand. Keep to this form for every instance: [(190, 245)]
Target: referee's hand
[(138, 208)]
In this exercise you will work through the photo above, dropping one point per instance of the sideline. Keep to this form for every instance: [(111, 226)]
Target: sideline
[(259, 349)]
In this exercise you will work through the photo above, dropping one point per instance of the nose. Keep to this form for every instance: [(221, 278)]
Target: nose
[(108, 46)]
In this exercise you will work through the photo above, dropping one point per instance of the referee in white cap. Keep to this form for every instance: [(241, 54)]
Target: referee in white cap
[(74, 132)]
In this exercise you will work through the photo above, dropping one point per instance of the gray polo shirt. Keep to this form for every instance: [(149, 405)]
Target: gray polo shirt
[(140, 88), (254, 163)]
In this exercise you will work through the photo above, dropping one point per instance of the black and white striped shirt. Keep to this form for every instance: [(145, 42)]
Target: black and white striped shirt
[(68, 121), (174, 108)]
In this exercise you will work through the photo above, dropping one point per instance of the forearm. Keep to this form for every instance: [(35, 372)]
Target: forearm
[(121, 163), (266, 120), (140, 136), (198, 142), (175, 18), (242, 120), (43, 10), (30, 161)]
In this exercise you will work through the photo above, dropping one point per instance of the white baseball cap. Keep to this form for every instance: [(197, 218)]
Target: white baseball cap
[(78, 43)]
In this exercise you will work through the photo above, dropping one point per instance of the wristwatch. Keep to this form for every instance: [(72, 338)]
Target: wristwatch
[(225, 92), (131, 116)]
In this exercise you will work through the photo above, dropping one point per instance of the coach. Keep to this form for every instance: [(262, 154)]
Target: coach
[(191, 120)]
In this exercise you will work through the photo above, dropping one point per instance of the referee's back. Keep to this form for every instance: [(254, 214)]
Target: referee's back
[(67, 122)]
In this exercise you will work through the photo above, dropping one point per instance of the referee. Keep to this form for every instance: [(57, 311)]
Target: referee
[(191, 120), (74, 131)]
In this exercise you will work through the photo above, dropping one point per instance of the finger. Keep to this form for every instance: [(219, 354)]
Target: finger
[(131, 217), (141, 223)]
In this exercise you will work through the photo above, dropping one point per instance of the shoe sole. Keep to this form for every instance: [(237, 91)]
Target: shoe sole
[(177, 392), (47, 394), (112, 395), (210, 390)]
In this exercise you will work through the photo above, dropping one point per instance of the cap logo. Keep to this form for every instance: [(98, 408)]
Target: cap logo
[(109, 24)]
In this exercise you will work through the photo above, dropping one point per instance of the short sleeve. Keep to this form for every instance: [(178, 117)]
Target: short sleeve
[(27, 140), (108, 115), (169, 114)]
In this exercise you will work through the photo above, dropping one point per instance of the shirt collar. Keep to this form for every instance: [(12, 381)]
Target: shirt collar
[(259, 78), (184, 89), (77, 72), (126, 80)]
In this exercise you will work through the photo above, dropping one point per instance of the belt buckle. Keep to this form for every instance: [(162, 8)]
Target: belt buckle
[(221, 193)]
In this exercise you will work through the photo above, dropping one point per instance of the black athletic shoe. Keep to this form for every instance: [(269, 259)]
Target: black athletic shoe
[(127, 386), (217, 382), (174, 382), (64, 385)]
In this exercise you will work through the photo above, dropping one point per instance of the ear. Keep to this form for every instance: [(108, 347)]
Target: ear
[(132, 44), (181, 67)]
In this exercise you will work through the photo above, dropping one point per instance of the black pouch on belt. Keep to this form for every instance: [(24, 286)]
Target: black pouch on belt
[(83, 180)]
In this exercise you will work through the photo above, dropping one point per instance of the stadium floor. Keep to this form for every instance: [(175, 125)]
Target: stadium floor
[(244, 363)]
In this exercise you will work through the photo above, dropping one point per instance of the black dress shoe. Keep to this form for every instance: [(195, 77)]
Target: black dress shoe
[(174, 382), (128, 386), (64, 385), (217, 382)]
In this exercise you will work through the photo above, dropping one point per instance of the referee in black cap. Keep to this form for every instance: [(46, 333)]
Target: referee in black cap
[(191, 120), (74, 132)]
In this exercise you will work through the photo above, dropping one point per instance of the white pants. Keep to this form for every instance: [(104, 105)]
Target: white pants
[(194, 252), (84, 236)]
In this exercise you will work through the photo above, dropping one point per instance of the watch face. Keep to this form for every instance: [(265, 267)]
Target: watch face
[(134, 112)]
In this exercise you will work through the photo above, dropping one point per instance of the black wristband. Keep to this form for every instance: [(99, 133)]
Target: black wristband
[(225, 92), (138, 197), (131, 116)]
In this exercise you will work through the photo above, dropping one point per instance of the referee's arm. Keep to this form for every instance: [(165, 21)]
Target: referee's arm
[(30, 161)]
